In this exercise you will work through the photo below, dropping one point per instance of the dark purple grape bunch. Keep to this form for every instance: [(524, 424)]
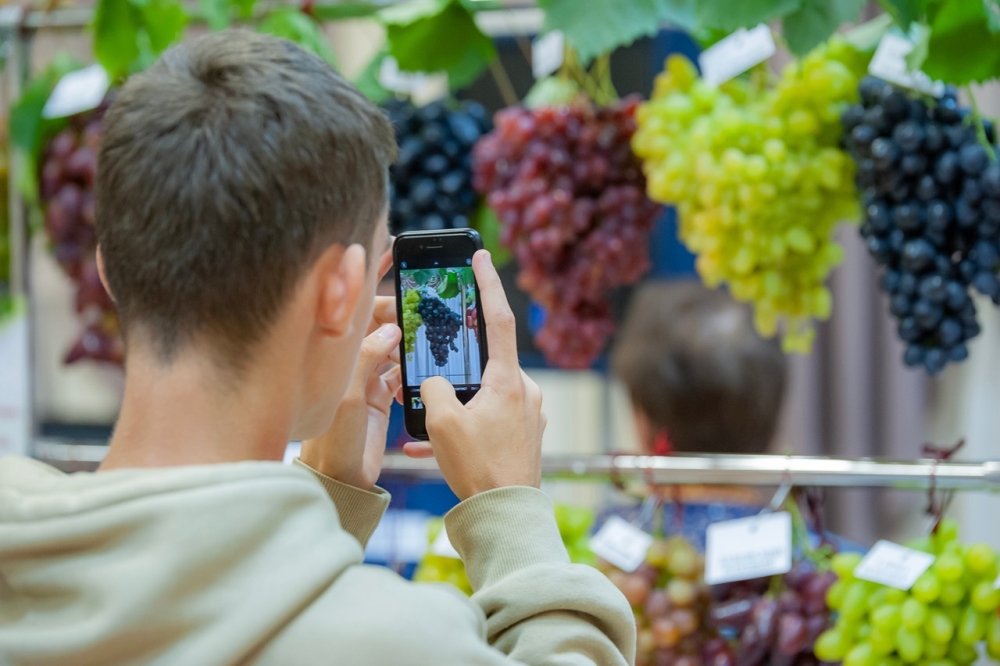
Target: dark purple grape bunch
[(432, 178), (776, 630), (441, 328), (931, 195)]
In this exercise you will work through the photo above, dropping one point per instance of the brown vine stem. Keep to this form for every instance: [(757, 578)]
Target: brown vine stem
[(504, 85)]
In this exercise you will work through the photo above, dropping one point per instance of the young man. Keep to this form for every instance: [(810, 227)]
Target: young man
[(242, 223)]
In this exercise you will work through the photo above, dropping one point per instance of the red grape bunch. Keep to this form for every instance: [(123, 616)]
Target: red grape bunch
[(571, 198), (69, 166)]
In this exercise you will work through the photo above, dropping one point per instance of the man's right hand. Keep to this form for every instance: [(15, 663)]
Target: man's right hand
[(495, 440)]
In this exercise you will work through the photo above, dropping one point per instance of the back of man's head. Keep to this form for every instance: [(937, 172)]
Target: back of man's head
[(225, 169), (697, 370)]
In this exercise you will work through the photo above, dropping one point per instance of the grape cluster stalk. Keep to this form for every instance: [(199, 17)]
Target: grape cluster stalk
[(441, 328), (570, 197), (759, 181), (931, 196), (69, 166), (432, 178)]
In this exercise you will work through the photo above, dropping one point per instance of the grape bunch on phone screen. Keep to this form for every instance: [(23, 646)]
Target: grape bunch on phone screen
[(441, 328)]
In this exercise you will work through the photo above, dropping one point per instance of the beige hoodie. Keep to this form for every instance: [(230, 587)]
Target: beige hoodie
[(253, 563)]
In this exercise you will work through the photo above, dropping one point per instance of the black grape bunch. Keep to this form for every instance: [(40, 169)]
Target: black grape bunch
[(441, 327), (432, 178), (931, 196)]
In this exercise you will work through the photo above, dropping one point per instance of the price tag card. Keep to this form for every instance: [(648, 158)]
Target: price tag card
[(736, 54), (748, 548), (547, 54), (442, 546), (77, 92), (889, 63), (391, 78), (890, 564), (621, 543)]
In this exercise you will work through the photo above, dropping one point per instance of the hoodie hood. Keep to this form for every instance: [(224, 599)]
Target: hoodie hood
[(160, 565)]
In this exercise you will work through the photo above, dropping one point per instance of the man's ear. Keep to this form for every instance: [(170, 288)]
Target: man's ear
[(340, 279), (100, 271)]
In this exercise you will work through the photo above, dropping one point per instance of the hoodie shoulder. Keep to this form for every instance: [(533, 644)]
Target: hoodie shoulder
[(23, 473)]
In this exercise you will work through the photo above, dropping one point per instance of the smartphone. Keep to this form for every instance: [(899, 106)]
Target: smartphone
[(437, 305)]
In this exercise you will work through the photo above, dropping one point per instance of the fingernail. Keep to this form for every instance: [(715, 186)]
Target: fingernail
[(387, 331)]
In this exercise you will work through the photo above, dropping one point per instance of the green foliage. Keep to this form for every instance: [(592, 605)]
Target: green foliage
[(129, 33), (291, 24), (729, 15), (435, 36), (486, 223), (367, 81), (962, 47), (345, 10), (815, 20), (595, 27), (904, 12)]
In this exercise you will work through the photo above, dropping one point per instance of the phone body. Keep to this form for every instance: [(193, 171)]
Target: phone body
[(437, 305)]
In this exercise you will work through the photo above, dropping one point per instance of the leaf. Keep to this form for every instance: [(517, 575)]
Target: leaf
[(730, 15), (865, 37), (551, 91), (813, 23), (435, 36), (345, 10), (244, 8), (904, 12), (291, 24), (962, 49), (596, 27), (164, 21), (116, 34), (681, 14), (920, 35), (215, 13), (367, 81), (487, 224), (992, 9), (448, 288)]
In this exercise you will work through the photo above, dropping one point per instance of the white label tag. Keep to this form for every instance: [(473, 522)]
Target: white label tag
[(889, 63), (996, 583), (77, 92), (890, 564), (736, 54), (748, 548), (391, 78), (442, 546), (621, 543), (547, 54)]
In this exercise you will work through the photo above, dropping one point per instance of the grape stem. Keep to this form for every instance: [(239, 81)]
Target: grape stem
[(596, 83), (977, 121), (504, 85)]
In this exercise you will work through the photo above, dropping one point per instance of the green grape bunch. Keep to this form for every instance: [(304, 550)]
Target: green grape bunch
[(948, 613), (759, 180), (411, 319)]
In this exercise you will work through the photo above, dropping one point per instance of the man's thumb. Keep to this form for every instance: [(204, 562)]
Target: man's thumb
[(438, 394)]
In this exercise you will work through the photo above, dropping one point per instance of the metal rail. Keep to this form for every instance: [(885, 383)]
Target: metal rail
[(764, 470)]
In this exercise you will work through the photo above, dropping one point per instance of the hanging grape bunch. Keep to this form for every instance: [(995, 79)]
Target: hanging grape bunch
[(432, 178), (931, 193), (441, 327), (472, 320), (571, 198), (69, 165), (411, 319), (759, 181)]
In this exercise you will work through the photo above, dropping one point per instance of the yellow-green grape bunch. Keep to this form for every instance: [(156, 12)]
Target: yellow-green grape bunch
[(950, 611), (439, 568), (411, 319), (759, 180)]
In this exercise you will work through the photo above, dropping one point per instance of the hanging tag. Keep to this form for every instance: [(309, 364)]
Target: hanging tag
[(889, 63), (621, 543), (547, 54), (748, 548), (77, 92), (736, 54), (890, 564), (442, 546), (391, 78)]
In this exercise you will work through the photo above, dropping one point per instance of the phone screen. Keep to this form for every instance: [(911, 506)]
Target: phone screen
[(441, 322)]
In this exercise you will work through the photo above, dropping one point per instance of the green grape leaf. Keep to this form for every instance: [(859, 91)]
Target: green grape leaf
[(436, 36), (215, 13), (116, 26), (551, 91), (865, 37), (681, 14), (345, 10), (595, 27), (992, 9), (244, 8), (904, 12), (291, 24), (448, 287), (729, 15), (962, 49), (367, 80), (812, 24), (486, 222), (920, 35), (164, 22)]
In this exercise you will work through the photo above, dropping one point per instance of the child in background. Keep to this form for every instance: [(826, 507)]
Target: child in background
[(701, 380)]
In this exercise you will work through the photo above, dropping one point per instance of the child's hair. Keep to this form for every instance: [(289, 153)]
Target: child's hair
[(696, 368), (225, 169)]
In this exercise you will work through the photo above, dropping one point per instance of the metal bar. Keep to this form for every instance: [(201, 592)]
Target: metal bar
[(679, 470)]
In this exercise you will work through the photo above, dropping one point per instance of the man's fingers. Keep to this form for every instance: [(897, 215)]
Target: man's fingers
[(384, 312), (438, 394), (418, 450), (385, 261), (500, 325), (376, 348)]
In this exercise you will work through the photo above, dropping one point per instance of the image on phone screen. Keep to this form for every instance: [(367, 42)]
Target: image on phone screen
[(440, 328)]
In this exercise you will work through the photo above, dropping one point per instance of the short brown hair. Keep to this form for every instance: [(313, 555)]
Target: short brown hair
[(225, 169), (695, 366)]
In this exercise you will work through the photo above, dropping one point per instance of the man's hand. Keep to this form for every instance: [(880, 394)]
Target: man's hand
[(496, 439), (351, 450)]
